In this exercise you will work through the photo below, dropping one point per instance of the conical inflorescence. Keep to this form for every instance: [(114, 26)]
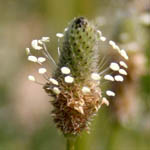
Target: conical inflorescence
[(76, 83)]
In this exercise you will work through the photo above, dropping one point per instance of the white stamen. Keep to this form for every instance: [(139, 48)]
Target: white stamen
[(105, 101), (108, 77), (40, 42), (114, 66), (35, 45), (123, 64), (60, 35), (32, 58), (95, 76), (65, 29), (27, 51), (69, 79), (42, 70), (99, 32), (53, 81), (41, 59), (56, 90), (86, 89), (122, 71), (110, 93), (124, 54), (114, 45), (65, 70), (102, 38), (119, 78), (31, 78), (45, 39)]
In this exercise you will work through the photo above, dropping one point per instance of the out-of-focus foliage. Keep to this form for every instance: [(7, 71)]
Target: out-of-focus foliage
[(25, 122)]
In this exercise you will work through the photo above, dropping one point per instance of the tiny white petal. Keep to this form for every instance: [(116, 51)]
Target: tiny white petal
[(42, 70), (69, 79), (86, 89), (32, 58), (56, 90), (31, 78), (53, 81), (41, 59), (122, 71), (35, 45), (108, 77), (45, 39), (102, 38), (65, 70), (95, 76), (124, 54), (60, 35), (27, 51), (110, 93), (114, 66), (105, 101), (123, 64), (119, 78)]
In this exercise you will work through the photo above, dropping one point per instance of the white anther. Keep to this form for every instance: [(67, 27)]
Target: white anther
[(102, 38), (112, 43), (45, 39), (31, 78), (65, 29), (124, 54), (110, 93), (32, 58), (123, 64), (53, 81), (105, 101), (99, 32), (114, 66), (69, 79), (86, 89), (108, 77), (60, 35), (42, 70), (35, 45), (95, 76), (119, 78), (123, 72), (56, 90), (65, 70), (41, 59), (27, 51)]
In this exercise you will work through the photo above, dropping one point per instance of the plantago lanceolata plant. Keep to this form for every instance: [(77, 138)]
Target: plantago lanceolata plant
[(75, 85)]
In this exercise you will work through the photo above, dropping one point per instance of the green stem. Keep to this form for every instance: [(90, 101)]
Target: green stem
[(71, 143)]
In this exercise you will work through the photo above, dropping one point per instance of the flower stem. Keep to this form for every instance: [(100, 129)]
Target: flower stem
[(71, 143)]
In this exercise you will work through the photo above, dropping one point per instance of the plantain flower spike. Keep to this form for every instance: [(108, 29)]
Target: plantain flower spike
[(75, 85)]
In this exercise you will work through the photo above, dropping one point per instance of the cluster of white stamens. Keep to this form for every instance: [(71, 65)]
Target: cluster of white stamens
[(40, 45)]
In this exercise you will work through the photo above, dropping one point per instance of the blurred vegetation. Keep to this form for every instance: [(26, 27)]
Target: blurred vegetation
[(25, 121)]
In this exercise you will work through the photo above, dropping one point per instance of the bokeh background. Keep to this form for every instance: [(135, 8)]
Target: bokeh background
[(25, 122)]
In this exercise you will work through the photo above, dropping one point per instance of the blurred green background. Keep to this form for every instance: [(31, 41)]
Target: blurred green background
[(25, 122)]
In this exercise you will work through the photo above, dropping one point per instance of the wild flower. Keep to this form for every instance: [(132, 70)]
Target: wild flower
[(76, 84)]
